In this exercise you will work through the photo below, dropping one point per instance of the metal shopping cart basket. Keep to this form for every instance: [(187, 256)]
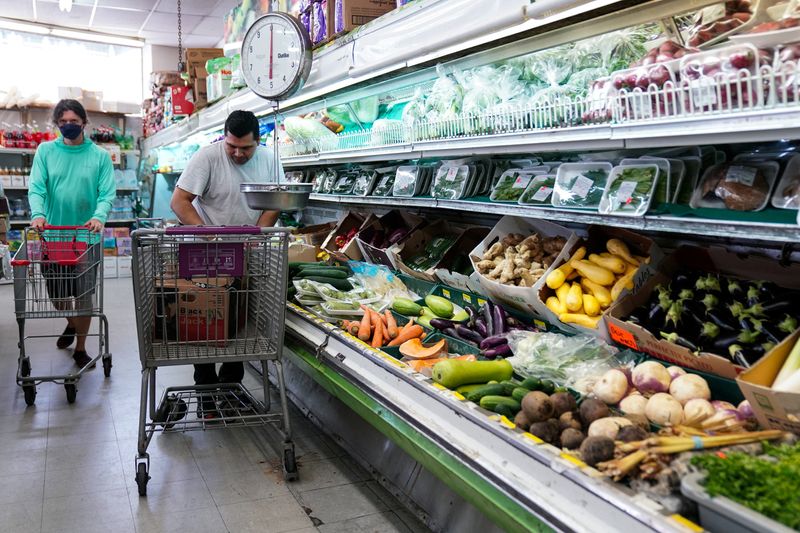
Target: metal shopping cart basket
[(58, 274), (209, 295)]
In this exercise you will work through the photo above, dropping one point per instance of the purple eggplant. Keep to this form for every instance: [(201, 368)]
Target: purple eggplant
[(442, 323), (466, 333), (472, 315), (488, 316), (397, 235), (499, 319), (491, 342), (480, 327), (504, 350)]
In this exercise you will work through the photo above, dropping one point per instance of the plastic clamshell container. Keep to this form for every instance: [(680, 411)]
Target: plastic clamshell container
[(451, 182), (514, 182), (626, 189), (787, 193), (384, 182), (407, 181), (722, 514), (539, 190), (770, 169), (573, 190), (665, 191), (308, 301), (685, 188), (295, 176), (344, 184), (311, 291), (365, 182)]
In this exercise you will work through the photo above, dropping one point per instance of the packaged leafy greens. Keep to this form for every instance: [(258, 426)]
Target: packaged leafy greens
[(630, 190), (344, 184), (512, 185), (384, 181), (365, 181), (580, 185), (539, 191), (408, 180), (450, 182)]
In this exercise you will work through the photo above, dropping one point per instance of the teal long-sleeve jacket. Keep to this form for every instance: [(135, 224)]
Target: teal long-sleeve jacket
[(70, 185)]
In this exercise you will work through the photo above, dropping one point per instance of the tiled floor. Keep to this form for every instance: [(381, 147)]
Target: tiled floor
[(70, 468)]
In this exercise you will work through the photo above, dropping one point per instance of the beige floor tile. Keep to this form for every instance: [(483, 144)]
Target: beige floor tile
[(274, 515), (71, 481), (27, 487), (205, 520), (107, 511), (386, 522), (335, 504), (21, 517)]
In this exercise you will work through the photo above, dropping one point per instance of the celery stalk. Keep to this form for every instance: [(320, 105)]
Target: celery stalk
[(790, 366)]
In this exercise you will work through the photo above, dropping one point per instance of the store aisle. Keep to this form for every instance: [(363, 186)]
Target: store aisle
[(69, 468)]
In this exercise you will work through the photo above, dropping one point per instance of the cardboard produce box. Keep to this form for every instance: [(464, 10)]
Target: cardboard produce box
[(466, 242), (439, 234), (382, 229), (595, 241), (92, 100), (109, 267), (302, 252), (196, 310), (713, 260), (525, 299), (350, 14), (316, 234), (197, 57), (350, 252), (124, 266), (773, 409)]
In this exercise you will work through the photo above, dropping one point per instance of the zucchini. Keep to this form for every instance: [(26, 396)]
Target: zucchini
[(341, 284), (454, 372), (490, 402), (321, 272), (519, 393), (297, 265), (532, 383), (467, 389), (490, 389), (506, 411)]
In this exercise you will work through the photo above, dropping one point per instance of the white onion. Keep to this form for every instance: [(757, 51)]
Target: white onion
[(664, 410), (651, 377), (634, 404), (688, 387), (611, 387), (608, 427)]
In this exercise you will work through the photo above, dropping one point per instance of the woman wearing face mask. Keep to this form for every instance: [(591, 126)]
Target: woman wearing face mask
[(71, 184)]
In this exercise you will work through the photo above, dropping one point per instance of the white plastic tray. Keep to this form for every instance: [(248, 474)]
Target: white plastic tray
[(573, 171), (770, 169), (606, 205)]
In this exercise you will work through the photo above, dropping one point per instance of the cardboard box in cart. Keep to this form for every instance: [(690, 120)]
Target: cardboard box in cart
[(195, 310), (773, 409), (713, 259)]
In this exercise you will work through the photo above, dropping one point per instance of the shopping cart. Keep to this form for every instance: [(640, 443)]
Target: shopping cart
[(58, 274), (208, 294)]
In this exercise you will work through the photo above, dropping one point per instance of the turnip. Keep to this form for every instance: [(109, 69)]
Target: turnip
[(697, 410), (611, 387), (675, 371), (689, 387), (664, 410), (633, 405), (746, 410), (608, 427), (651, 377)]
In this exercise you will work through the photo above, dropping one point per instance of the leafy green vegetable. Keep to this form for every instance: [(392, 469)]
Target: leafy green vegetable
[(384, 185), (511, 186), (631, 189), (768, 484), (450, 182), (539, 191), (581, 188)]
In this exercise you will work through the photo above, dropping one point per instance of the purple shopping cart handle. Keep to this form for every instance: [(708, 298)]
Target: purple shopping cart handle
[(213, 230)]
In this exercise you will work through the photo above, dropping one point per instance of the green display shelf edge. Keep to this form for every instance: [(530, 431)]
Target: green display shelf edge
[(499, 507)]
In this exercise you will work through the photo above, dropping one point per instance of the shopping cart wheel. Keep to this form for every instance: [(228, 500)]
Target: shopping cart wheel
[(142, 478), (289, 464), (25, 368), (106, 366), (30, 394), (71, 392)]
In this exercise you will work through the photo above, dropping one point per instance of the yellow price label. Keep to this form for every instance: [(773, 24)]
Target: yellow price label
[(540, 324), (507, 423), (439, 386), (532, 437), (446, 293), (686, 523), (574, 460), (458, 396), (467, 298), (394, 361), (481, 301)]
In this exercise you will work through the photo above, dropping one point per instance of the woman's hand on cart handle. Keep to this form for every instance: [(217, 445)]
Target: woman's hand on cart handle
[(39, 223), (94, 225)]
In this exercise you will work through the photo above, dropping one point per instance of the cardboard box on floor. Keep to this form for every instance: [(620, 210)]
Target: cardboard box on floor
[(388, 223), (773, 409), (714, 260), (417, 243), (351, 252)]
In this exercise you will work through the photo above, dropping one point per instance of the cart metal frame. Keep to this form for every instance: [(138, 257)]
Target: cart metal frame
[(59, 259), (209, 294)]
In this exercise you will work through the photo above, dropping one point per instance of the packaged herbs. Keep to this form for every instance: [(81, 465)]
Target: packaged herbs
[(450, 182), (511, 185), (580, 185), (384, 182), (407, 181), (539, 191), (365, 182), (630, 190), (344, 183)]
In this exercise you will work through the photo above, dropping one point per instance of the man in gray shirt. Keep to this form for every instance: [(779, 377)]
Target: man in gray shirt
[(208, 193)]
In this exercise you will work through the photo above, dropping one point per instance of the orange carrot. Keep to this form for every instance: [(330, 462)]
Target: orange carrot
[(346, 325), (377, 338), (406, 326), (407, 334), (383, 318), (363, 328), (391, 323)]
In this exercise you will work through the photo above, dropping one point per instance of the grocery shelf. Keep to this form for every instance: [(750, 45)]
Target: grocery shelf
[(119, 189), (474, 453), (757, 231), (21, 151)]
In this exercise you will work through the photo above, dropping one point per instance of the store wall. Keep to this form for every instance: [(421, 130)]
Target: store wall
[(156, 58)]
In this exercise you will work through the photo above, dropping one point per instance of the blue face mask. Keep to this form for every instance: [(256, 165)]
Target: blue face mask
[(71, 131)]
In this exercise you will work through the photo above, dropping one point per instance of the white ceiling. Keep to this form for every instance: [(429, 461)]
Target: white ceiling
[(155, 21)]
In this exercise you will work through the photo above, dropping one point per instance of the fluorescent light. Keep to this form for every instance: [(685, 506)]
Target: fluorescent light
[(21, 26), (96, 37)]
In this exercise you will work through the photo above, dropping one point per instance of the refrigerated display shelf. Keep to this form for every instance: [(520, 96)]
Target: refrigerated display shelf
[(749, 230), (520, 483)]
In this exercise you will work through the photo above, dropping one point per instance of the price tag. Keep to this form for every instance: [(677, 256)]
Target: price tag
[(458, 396), (621, 336), (704, 92), (625, 191), (582, 186), (572, 459), (467, 298), (481, 301), (452, 172), (504, 421), (743, 175), (522, 181), (712, 13), (542, 194), (685, 522), (533, 438), (446, 293)]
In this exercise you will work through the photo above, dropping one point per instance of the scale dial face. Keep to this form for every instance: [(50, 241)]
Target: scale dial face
[(276, 56)]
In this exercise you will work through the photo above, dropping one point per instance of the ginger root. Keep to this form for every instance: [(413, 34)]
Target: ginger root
[(507, 273), (497, 249), (526, 279), (495, 273), (553, 245)]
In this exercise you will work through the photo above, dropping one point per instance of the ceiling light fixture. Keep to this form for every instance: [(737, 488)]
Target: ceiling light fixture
[(6, 24), (65, 5), (96, 37)]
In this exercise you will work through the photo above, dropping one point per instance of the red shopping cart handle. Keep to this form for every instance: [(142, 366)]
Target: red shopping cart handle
[(20, 262), (213, 230)]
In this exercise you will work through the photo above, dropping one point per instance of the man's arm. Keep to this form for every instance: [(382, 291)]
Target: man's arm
[(181, 205), (267, 219)]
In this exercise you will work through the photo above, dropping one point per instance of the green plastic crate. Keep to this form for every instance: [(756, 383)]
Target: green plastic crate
[(419, 286), (454, 346)]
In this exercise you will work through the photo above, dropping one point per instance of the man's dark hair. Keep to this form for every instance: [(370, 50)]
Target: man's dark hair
[(69, 105), (240, 123)]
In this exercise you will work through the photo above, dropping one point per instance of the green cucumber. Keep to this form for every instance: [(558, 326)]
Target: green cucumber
[(508, 387), (505, 410), (495, 389), (532, 383), (454, 372), (464, 390), (490, 402), (519, 393), (548, 387), (341, 284), (322, 272)]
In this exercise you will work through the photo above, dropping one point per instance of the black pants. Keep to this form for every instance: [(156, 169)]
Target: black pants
[(206, 374)]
